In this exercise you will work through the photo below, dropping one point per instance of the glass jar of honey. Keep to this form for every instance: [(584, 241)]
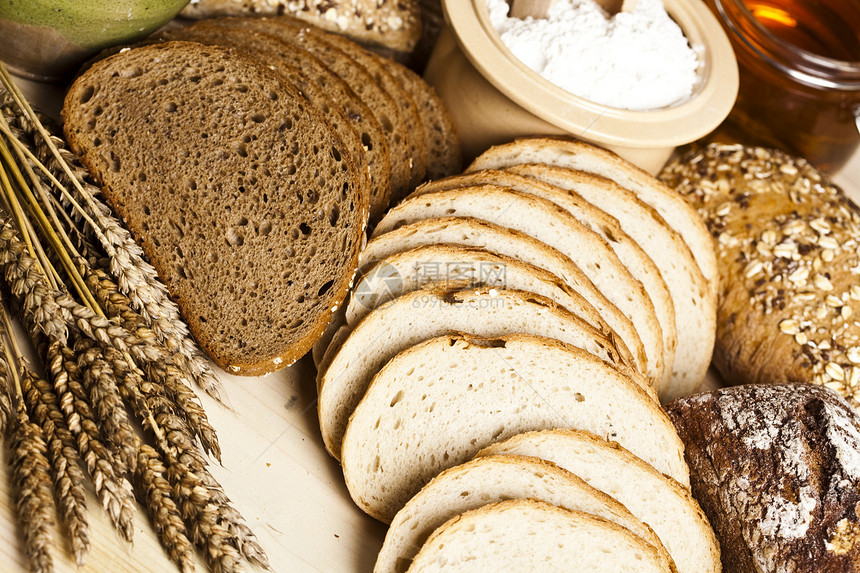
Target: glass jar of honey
[(799, 64)]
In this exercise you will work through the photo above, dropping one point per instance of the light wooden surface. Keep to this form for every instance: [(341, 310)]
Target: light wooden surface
[(276, 471)]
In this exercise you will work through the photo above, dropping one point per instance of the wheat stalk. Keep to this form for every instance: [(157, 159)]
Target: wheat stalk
[(33, 501), (163, 511), (68, 479), (112, 489)]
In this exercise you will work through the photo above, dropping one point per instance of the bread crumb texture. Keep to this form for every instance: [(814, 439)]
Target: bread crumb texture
[(239, 192), (776, 468), (789, 258)]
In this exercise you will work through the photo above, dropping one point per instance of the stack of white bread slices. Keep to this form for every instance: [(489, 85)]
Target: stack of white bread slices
[(539, 305)]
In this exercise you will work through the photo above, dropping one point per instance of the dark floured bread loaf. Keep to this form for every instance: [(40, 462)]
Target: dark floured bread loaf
[(787, 248), (776, 468), (239, 191)]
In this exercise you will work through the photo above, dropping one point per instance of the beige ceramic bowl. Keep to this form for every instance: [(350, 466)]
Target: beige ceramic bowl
[(494, 98)]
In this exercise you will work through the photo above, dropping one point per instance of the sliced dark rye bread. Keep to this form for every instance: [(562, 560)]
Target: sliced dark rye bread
[(553, 225), (438, 403), (473, 232), (531, 535), (492, 479), (373, 136), (408, 106), (441, 141), (356, 76), (269, 49), (214, 162), (423, 314), (607, 227)]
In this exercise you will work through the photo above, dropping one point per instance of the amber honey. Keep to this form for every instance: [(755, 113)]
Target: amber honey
[(799, 66)]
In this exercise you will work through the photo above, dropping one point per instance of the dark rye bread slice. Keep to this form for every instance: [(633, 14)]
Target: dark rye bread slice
[(355, 75), (269, 49), (408, 108), (441, 142), (373, 137), (240, 193)]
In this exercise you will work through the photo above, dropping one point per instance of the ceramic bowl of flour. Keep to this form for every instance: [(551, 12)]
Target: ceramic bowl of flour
[(494, 97)]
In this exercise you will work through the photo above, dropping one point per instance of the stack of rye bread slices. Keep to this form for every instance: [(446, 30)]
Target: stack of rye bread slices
[(550, 296), (247, 156)]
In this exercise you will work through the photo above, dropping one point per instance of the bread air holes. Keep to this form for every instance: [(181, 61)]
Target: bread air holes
[(170, 107), (87, 94), (325, 288), (333, 215), (235, 237), (366, 141)]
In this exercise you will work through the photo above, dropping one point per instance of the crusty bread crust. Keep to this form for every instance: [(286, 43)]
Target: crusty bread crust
[(491, 479), (620, 548), (208, 228), (477, 233)]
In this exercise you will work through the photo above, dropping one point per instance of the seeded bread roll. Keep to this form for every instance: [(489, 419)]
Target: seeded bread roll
[(392, 25), (213, 161), (787, 245), (776, 468), (529, 535)]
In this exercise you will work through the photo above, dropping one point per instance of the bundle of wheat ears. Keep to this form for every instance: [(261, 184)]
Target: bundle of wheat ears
[(116, 401)]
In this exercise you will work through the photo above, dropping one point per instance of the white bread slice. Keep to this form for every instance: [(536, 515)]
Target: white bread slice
[(584, 157), (659, 501), (530, 535), (630, 253), (443, 264), (477, 233), (488, 480), (436, 404), (427, 313), (694, 299), (551, 224)]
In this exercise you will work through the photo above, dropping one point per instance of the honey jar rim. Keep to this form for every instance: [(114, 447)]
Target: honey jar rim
[(791, 60)]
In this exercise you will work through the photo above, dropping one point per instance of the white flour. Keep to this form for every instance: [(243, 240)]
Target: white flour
[(637, 60)]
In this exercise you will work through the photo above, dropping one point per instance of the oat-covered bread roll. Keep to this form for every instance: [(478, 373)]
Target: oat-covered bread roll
[(787, 247), (384, 23), (776, 468)]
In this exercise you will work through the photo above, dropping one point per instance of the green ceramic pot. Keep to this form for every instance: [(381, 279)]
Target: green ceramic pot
[(48, 40)]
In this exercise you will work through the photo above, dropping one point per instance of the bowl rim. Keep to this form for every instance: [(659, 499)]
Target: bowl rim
[(670, 126)]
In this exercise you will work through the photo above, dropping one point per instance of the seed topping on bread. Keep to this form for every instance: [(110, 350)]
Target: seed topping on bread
[(787, 240)]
